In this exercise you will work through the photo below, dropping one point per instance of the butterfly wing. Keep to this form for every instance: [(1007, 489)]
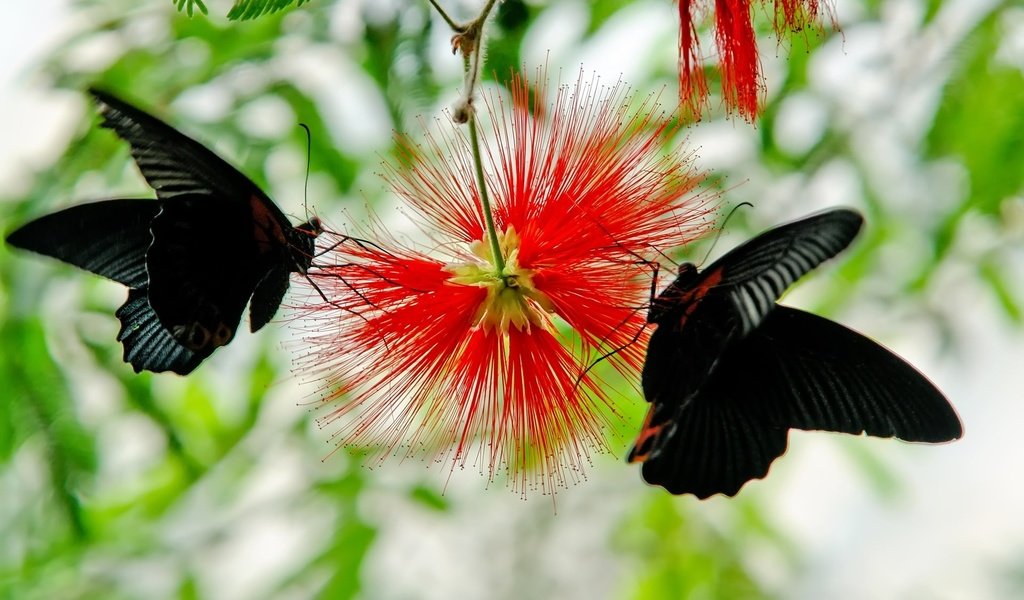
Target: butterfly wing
[(812, 373), (203, 267), (269, 292), (267, 297), (754, 275), (109, 238), (179, 168), (700, 316), (797, 370), (173, 163), (714, 445), (148, 345)]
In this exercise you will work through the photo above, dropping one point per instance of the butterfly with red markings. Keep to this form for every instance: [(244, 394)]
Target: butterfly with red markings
[(209, 243), (729, 371)]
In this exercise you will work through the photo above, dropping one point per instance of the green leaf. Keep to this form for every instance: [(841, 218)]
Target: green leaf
[(40, 395), (429, 498), (244, 10), (981, 121), (991, 274), (189, 6)]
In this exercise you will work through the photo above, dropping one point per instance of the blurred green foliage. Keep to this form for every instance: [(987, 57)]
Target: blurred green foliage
[(242, 10), (118, 485), (251, 9)]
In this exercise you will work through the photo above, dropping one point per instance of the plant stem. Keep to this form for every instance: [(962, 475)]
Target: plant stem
[(485, 201), (471, 43), (451, 22), (475, 31)]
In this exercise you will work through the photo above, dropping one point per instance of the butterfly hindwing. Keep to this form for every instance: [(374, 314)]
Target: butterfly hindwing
[(148, 345), (812, 373), (109, 238), (800, 371), (199, 300), (714, 445)]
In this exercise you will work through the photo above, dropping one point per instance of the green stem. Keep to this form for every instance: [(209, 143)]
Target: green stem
[(474, 30), (485, 201), (451, 22)]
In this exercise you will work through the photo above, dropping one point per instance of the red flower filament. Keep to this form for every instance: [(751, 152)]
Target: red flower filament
[(431, 350)]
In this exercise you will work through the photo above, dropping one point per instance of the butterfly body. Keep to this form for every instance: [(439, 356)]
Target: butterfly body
[(192, 258), (729, 371)]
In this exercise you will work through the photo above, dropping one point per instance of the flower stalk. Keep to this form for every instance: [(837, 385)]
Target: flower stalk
[(485, 200), (468, 39)]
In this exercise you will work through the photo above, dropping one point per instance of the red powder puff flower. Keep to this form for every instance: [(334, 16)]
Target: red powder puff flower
[(439, 350), (737, 48)]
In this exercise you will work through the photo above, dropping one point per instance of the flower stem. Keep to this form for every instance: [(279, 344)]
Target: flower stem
[(469, 39), (485, 201), (451, 22)]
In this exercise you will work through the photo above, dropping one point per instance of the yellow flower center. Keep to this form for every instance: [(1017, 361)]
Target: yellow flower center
[(512, 298)]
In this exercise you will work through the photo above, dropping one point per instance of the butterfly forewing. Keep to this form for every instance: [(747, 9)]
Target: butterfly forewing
[(757, 273), (173, 163), (267, 297), (109, 238)]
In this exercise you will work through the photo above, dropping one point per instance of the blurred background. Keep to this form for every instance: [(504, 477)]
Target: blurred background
[(219, 485)]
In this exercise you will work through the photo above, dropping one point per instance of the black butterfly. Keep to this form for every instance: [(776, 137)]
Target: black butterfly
[(192, 258), (729, 372)]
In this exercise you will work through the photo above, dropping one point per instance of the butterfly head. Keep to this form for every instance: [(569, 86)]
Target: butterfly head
[(686, 274), (313, 227), (303, 239), (671, 299)]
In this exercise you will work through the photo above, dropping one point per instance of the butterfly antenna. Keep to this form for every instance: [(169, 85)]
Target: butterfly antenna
[(309, 162), (718, 234)]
